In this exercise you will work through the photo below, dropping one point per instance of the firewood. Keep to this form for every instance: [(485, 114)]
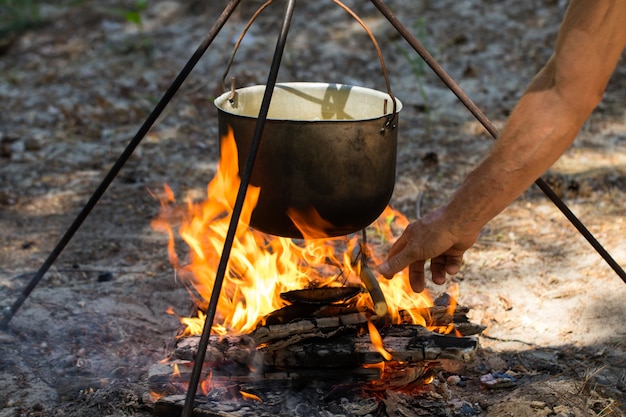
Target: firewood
[(163, 379), (320, 347)]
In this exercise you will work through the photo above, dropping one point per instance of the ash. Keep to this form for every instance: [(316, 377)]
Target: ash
[(317, 398)]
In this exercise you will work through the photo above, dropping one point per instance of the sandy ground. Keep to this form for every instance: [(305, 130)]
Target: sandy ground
[(75, 88)]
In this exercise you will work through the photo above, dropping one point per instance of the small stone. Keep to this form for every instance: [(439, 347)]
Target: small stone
[(443, 300), (497, 380), (6, 338), (7, 199), (603, 381), (105, 277), (468, 410), (27, 245), (453, 380), (562, 411), (33, 144)]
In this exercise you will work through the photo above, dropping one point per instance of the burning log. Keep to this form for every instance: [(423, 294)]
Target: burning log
[(441, 316), (339, 359), (310, 335), (310, 342), (319, 347), (310, 345), (168, 378)]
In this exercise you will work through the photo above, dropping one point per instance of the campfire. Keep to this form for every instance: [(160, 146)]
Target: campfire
[(298, 309)]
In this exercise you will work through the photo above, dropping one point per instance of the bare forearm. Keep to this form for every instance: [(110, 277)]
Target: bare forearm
[(541, 127), (549, 115), (539, 130)]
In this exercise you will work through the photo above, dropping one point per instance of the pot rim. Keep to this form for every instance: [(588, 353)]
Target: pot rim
[(222, 101)]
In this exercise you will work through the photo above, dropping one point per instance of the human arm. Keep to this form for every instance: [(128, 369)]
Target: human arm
[(541, 127)]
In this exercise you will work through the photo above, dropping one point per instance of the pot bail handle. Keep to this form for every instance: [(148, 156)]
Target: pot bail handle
[(391, 120), (236, 47)]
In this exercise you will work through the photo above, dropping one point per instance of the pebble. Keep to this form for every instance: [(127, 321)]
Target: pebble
[(468, 410), (497, 380), (7, 198), (7, 338), (538, 404), (603, 381), (105, 277), (453, 380), (562, 411), (33, 144)]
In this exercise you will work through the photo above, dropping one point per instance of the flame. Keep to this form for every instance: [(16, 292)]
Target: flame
[(249, 396), (377, 341), (260, 266), (155, 396), (453, 291), (378, 365), (309, 222), (206, 385)]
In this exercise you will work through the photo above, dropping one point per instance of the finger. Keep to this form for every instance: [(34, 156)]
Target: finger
[(395, 264), (417, 276), (438, 269), (389, 268), (453, 264)]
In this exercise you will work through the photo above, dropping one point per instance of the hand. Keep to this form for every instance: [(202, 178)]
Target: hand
[(427, 238)]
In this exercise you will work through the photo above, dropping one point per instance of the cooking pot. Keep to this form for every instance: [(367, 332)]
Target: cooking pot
[(327, 155)]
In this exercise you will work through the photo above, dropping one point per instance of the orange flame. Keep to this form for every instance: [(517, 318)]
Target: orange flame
[(453, 291), (310, 223), (206, 385), (260, 266), (249, 396), (155, 396), (377, 341)]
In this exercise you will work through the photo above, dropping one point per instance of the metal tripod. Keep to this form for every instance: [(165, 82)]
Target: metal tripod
[(247, 171)]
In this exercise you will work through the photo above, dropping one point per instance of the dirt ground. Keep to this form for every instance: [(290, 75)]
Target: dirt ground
[(76, 85)]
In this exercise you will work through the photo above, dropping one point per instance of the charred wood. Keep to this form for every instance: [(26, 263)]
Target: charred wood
[(308, 344)]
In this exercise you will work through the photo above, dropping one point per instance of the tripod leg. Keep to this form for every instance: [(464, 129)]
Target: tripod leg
[(122, 159), (236, 214)]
